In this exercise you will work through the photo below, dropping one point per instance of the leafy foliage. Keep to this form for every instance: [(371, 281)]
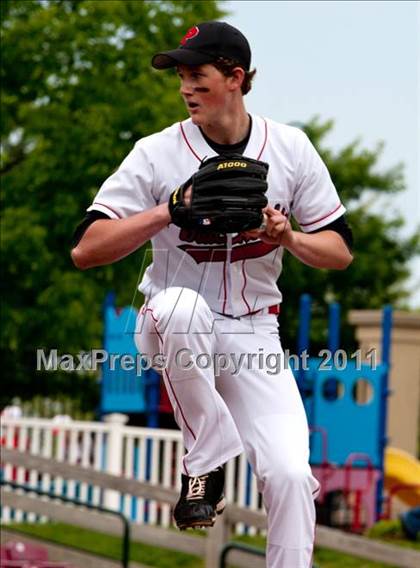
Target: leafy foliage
[(393, 532), (77, 92), (380, 266)]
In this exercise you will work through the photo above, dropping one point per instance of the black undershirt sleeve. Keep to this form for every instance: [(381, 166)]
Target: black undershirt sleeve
[(81, 228), (341, 227)]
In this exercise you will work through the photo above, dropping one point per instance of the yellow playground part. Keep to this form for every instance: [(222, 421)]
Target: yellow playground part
[(401, 468)]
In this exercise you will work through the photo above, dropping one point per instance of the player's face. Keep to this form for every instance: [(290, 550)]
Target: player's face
[(206, 92)]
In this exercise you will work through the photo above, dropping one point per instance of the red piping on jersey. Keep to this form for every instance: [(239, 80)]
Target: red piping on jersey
[(107, 207), (155, 321), (198, 157), (224, 287), (187, 143), (244, 286), (321, 218), (265, 139)]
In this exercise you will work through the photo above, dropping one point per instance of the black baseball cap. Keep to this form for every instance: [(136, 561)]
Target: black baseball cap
[(204, 43)]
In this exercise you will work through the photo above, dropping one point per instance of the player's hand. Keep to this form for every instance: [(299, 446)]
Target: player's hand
[(278, 229), (187, 197)]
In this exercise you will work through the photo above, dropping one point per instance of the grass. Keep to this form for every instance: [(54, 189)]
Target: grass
[(324, 557), (391, 532), (107, 545), (110, 546)]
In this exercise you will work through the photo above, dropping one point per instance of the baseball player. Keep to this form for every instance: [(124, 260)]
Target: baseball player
[(211, 300)]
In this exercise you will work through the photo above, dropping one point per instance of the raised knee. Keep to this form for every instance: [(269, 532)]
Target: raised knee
[(179, 308)]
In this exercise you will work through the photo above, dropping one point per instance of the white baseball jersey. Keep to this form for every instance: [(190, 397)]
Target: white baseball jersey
[(235, 275), (192, 277)]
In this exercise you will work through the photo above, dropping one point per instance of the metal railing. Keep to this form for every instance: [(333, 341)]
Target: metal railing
[(39, 469), (125, 554), (238, 546)]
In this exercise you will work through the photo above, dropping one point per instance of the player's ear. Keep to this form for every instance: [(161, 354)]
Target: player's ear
[(236, 78)]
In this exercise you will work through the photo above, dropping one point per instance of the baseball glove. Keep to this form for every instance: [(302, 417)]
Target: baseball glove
[(228, 194)]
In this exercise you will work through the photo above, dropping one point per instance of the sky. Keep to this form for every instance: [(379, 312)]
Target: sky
[(356, 62)]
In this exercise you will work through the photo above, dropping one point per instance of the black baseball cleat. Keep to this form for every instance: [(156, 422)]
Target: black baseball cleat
[(201, 499)]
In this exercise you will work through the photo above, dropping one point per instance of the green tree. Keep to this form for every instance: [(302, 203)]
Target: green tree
[(77, 92), (381, 256)]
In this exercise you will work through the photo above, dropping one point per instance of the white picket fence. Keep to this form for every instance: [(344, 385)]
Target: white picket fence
[(146, 454)]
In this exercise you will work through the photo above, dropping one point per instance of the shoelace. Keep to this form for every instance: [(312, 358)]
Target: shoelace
[(196, 487)]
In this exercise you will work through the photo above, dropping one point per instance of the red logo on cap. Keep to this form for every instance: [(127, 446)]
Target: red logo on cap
[(192, 32)]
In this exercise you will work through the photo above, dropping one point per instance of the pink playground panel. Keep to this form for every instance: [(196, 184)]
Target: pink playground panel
[(360, 483)]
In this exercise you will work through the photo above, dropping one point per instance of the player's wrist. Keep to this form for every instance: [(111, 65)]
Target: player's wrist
[(288, 240), (164, 213)]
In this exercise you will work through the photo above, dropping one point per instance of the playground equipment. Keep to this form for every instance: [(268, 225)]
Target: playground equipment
[(135, 390), (402, 478), (402, 468), (345, 400)]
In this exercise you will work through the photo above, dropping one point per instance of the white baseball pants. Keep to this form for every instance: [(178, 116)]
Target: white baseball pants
[(254, 407)]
